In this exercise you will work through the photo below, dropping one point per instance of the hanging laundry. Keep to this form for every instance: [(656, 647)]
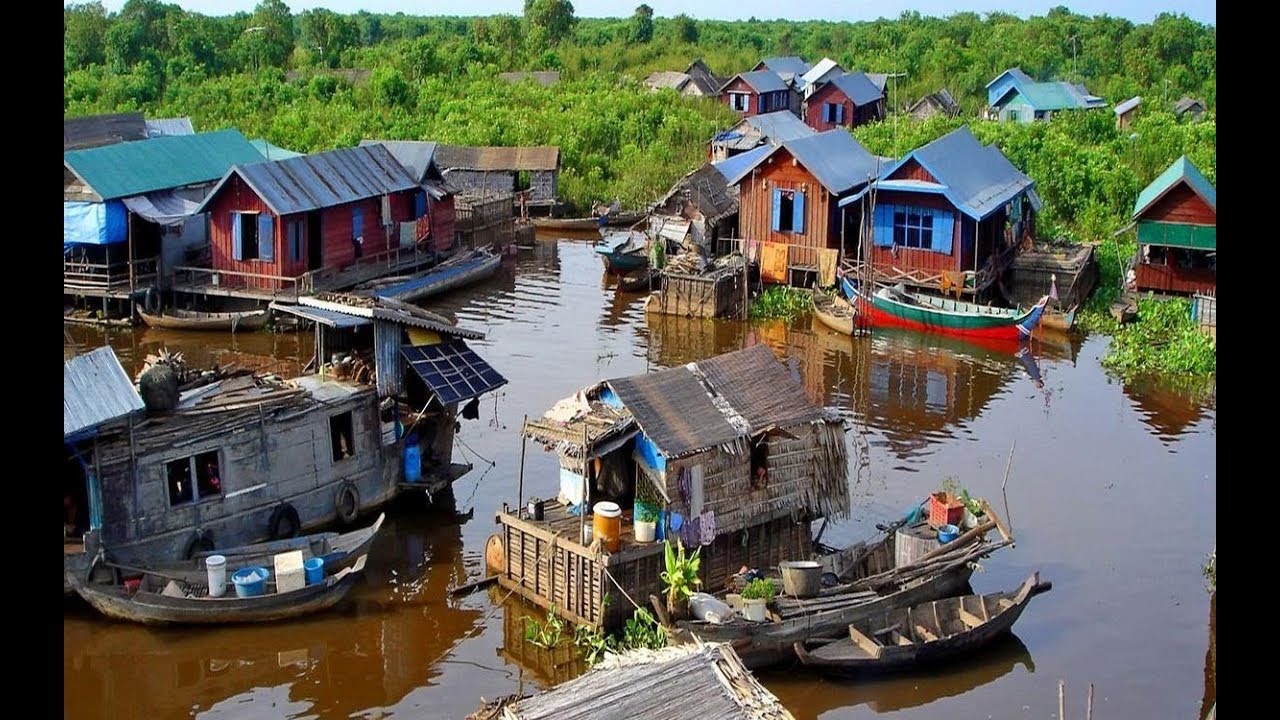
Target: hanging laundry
[(707, 527)]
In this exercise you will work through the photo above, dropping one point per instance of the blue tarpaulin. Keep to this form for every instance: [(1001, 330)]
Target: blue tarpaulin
[(91, 223)]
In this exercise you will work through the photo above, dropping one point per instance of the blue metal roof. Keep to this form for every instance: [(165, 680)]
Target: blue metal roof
[(735, 168), (787, 64), (780, 126), (762, 81), (1128, 105), (978, 180), (143, 166), (417, 157), (95, 390), (1018, 76), (160, 127), (836, 160), (858, 88), (327, 179)]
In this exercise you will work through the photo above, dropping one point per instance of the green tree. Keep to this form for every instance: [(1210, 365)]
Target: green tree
[(84, 32), (390, 88), (642, 24), (268, 39), (686, 28), (328, 33), (552, 18)]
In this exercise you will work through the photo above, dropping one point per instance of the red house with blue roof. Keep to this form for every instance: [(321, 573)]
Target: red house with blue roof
[(847, 100), (1177, 221), (950, 215), (756, 93)]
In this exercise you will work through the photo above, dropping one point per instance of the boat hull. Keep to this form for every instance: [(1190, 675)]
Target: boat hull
[(252, 320), (443, 278), (585, 223), (834, 312), (886, 312)]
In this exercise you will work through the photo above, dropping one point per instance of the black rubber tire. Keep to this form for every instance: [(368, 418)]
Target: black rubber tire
[(284, 522), (201, 541), (347, 503)]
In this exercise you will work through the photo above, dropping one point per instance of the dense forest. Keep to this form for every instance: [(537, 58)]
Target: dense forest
[(316, 80)]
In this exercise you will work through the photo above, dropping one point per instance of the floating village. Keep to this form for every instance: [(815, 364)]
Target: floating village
[(686, 546)]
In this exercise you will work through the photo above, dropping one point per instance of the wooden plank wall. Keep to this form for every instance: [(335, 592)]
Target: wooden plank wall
[(1181, 205), (755, 217)]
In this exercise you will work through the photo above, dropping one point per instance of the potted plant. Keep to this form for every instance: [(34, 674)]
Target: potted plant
[(756, 596), (974, 515), (646, 523), (680, 577)]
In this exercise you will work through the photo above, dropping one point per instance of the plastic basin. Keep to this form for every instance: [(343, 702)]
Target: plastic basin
[(250, 581)]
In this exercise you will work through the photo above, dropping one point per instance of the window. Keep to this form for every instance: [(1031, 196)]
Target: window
[(740, 101), (357, 222), (1042, 115), (204, 468), (788, 211), (760, 464), (833, 113), (913, 228), (295, 241), (1012, 115), (342, 435), (244, 233)]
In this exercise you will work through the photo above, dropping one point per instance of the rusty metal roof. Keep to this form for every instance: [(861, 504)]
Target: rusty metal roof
[(95, 390), (327, 179), (506, 159), (94, 130)]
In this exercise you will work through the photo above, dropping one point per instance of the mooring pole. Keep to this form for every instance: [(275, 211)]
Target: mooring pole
[(520, 482)]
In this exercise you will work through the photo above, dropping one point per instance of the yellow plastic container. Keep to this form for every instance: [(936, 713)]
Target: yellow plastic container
[(607, 525)]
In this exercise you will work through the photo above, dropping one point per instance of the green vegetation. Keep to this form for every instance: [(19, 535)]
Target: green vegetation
[(544, 634), (760, 589), (640, 631), (781, 301), (1165, 340), (680, 576), (1210, 570)]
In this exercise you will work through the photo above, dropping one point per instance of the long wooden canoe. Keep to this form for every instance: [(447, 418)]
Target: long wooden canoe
[(174, 319), (895, 307), (458, 271), (834, 312), (587, 223), (920, 634)]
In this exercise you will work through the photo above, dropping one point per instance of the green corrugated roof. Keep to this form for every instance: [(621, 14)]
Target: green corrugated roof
[(142, 166), (273, 152), (1182, 170)]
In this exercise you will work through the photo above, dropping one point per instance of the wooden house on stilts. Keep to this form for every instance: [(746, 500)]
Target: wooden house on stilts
[(1177, 221), (729, 453)]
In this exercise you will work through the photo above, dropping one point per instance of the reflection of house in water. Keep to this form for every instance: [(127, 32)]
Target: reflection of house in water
[(1210, 699), (1167, 411), (333, 665)]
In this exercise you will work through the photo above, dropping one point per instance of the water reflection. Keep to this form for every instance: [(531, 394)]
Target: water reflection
[(1170, 412), (370, 652), (1211, 660), (541, 666), (807, 696)]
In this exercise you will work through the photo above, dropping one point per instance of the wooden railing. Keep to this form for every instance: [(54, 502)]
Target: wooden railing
[(277, 286), (291, 287), (103, 276)]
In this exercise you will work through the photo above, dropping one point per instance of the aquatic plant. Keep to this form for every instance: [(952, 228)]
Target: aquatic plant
[(781, 301), (546, 634), (1163, 340), (642, 630), (681, 576)]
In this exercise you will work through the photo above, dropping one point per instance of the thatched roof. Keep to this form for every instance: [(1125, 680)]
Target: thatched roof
[(606, 426), (706, 189), (683, 682), (715, 402), (497, 159)]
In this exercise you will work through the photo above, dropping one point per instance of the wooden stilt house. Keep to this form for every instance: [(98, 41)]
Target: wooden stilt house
[(728, 452), (1177, 220)]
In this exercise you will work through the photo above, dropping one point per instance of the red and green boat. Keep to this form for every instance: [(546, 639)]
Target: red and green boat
[(895, 307)]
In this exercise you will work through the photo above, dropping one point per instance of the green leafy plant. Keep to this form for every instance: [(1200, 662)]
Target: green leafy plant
[(760, 589), (781, 301), (544, 634), (642, 630), (646, 513), (681, 575)]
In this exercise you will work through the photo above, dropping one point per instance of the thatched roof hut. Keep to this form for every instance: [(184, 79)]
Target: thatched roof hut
[(693, 682)]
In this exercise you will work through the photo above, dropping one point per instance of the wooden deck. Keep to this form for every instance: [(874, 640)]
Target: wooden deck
[(255, 286)]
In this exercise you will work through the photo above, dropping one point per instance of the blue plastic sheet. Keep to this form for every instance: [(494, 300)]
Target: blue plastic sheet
[(90, 223)]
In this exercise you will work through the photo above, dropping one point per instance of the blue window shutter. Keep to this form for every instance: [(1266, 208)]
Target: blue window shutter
[(419, 204), (777, 210), (839, 113), (266, 237), (760, 103), (883, 227), (797, 213), (236, 252), (357, 222), (943, 222)]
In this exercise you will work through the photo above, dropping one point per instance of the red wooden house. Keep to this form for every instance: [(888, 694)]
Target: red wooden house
[(847, 100), (1177, 220), (271, 223), (788, 197), (950, 215), (756, 93), (434, 200)]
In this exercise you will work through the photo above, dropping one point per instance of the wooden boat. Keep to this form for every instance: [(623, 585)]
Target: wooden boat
[(339, 550), (458, 271), (174, 319), (625, 255), (869, 583), (895, 307), (622, 219), (834, 312), (1058, 320), (921, 634), (642, 280)]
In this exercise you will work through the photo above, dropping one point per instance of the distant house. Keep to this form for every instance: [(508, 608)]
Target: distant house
[(1177, 221), (880, 79), (1189, 108), (938, 103), (847, 100), (1014, 97), (161, 127), (1126, 112), (272, 223), (433, 202), (751, 132), (950, 214), (786, 67), (671, 80), (491, 171), (545, 78), (699, 209), (129, 209), (96, 130), (787, 197), (273, 152), (708, 83), (818, 74), (756, 93)]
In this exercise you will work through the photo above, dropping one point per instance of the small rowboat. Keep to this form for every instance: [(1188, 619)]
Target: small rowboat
[(895, 307), (834, 312), (1060, 321), (458, 271), (641, 280), (919, 634), (174, 319), (587, 223), (625, 254)]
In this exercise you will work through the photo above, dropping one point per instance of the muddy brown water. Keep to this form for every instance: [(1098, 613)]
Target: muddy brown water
[(1111, 495)]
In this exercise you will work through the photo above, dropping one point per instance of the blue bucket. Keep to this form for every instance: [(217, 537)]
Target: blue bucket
[(250, 581), (947, 533), (314, 568)]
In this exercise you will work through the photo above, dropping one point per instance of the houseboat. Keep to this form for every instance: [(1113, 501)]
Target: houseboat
[(254, 458), (1177, 221), (727, 452)]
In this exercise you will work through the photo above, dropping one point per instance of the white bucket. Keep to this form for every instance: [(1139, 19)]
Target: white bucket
[(217, 566)]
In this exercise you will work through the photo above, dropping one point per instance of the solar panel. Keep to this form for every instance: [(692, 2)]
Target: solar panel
[(452, 370)]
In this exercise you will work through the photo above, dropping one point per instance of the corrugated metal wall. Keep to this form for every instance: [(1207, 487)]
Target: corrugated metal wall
[(386, 348)]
